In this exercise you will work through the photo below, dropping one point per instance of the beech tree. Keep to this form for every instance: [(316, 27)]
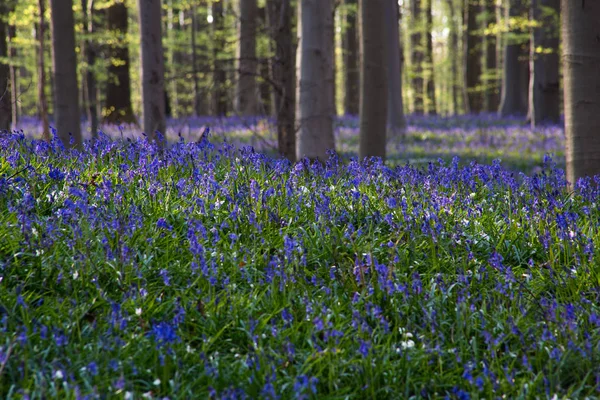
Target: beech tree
[(247, 66), (429, 68), (350, 49), (89, 51), (64, 65), (581, 68), (544, 95), (416, 55), (284, 75), (396, 120), (152, 67), (5, 95), (315, 64), (42, 102), (373, 76), (473, 50)]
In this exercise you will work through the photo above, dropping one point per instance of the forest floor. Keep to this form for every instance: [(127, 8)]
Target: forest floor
[(213, 270)]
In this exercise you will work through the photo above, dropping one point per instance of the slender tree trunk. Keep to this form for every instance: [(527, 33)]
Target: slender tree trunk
[(315, 108), (492, 93), (90, 78), (351, 59), (373, 87), (266, 91), (152, 67), (5, 97), (64, 64), (118, 108), (473, 57), (453, 59), (581, 66), (431, 101), (219, 74), (198, 98), (14, 84), (416, 42), (173, 60), (245, 96), (395, 115), (544, 96), (41, 70), (284, 75), (513, 102)]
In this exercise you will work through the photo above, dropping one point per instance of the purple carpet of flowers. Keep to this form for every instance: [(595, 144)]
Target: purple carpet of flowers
[(205, 270)]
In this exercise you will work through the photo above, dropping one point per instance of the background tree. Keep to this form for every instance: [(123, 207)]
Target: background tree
[(491, 88), (89, 51), (152, 72), (373, 87), (284, 75), (453, 44), (473, 54), (219, 72), (581, 66), (417, 56), (5, 93), (117, 106), (515, 75), (393, 52), (14, 85), (428, 65), (350, 49), (315, 106), (64, 65), (544, 96), (246, 83), (41, 71)]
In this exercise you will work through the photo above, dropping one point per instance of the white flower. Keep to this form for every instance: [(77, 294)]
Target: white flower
[(407, 344), (58, 374), (138, 311)]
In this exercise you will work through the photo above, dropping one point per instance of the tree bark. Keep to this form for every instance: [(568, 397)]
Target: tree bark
[(279, 14), (152, 68), (431, 101), (246, 93), (396, 121), (64, 65), (581, 67), (544, 96), (351, 59), (89, 51), (473, 56), (14, 82), (453, 59), (219, 74), (315, 108), (512, 101), (199, 103), (41, 70), (373, 87), (5, 93), (118, 108), (417, 56), (492, 93)]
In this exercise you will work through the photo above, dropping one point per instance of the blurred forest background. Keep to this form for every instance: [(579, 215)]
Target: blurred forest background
[(113, 61)]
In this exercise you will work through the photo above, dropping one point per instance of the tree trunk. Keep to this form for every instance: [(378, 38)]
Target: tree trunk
[(90, 78), (315, 108), (14, 84), (199, 105), (64, 64), (431, 102), (544, 96), (219, 74), (351, 59), (284, 75), (246, 93), (152, 67), (417, 56), (512, 101), (581, 68), (491, 90), (266, 91), (473, 56), (453, 59), (5, 97), (118, 109), (373, 85), (41, 70), (395, 116)]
